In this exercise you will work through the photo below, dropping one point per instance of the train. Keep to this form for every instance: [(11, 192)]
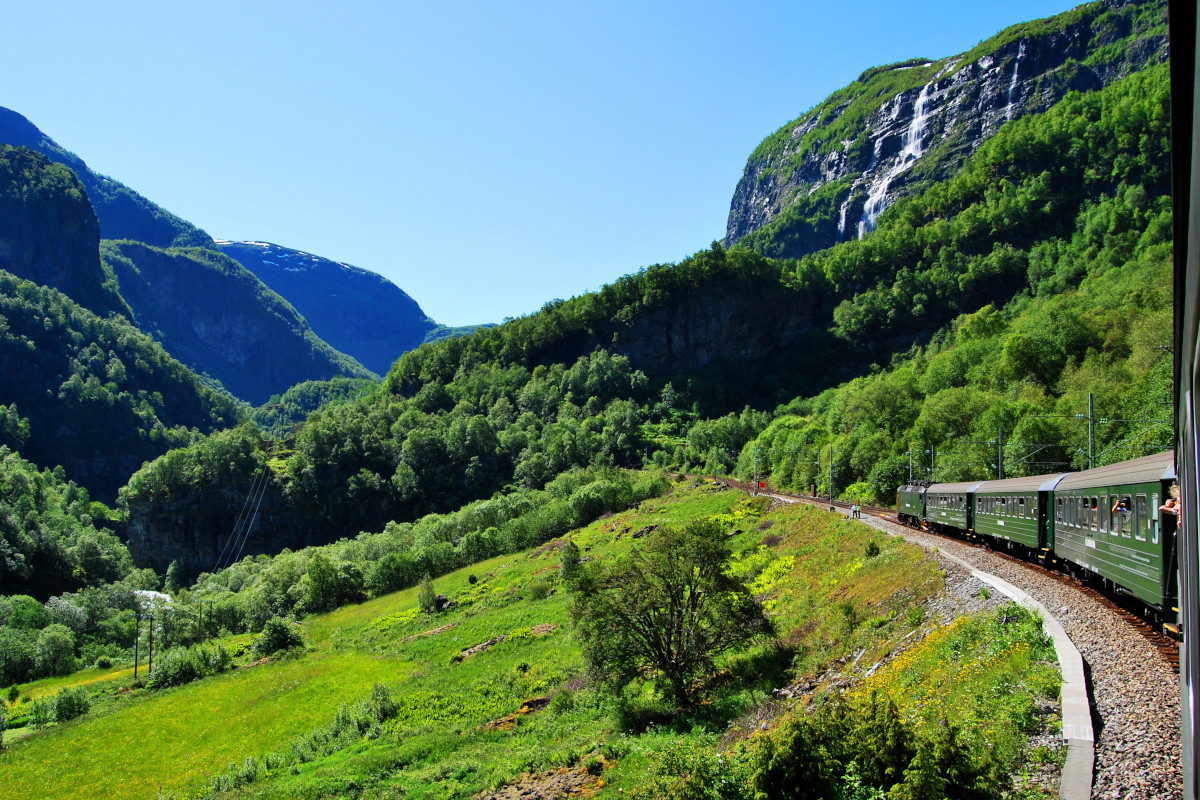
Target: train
[(1102, 525)]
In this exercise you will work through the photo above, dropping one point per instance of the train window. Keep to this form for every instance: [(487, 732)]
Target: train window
[(1105, 505), (1141, 519), (1022, 511), (1155, 517), (1094, 514), (1058, 510)]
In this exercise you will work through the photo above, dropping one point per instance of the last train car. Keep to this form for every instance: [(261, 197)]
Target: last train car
[(948, 506), (910, 504), (1107, 521), (1009, 510)]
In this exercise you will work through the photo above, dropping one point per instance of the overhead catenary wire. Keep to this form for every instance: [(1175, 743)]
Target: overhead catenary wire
[(250, 526), (237, 523), (245, 521)]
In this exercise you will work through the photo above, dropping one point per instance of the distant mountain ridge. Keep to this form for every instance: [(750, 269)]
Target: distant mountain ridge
[(122, 212), (355, 314), (359, 312), (827, 176), (214, 315)]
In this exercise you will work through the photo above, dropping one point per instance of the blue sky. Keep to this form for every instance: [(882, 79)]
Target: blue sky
[(486, 156)]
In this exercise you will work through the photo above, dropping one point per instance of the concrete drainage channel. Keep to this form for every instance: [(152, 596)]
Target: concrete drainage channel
[(1076, 780)]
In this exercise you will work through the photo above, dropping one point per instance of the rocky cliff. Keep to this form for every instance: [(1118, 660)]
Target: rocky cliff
[(216, 317), (827, 176), (48, 230), (357, 311)]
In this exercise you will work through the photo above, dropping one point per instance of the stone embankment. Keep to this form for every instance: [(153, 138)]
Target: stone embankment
[(1134, 690)]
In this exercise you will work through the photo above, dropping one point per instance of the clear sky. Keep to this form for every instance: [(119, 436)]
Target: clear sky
[(484, 156)]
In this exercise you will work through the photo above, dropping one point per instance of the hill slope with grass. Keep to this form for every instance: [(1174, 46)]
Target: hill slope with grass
[(493, 691)]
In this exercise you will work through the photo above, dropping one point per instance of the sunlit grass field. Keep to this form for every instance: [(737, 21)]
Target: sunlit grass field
[(825, 597)]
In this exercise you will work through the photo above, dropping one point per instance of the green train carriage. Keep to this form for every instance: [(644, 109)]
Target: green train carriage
[(1130, 549), (1010, 510), (948, 506), (910, 503)]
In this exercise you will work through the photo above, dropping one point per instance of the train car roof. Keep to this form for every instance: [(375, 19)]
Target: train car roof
[(1030, 483), (963, 487), (908, 487), (1160, 466)]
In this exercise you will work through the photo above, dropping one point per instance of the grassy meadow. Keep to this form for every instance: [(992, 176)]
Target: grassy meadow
[(491, 689)]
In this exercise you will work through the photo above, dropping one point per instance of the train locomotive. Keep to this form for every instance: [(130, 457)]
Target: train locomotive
[(1103, 525)]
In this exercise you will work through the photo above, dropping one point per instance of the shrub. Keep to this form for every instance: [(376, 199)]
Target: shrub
[(426, 596), (71, 703), (14, 692), (539, 590), (103, 662), (174, 667), (41, 712), (3, 725), (563, 702), (872, 548), (276, 635)]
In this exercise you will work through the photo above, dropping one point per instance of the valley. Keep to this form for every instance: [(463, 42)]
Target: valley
[(377, 556)]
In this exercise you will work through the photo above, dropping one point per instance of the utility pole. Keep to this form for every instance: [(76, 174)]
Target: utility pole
[(1091, 430), (1000, 454), (831, 477), (150, 665), (137, 634), (756, 468), (910, 466)]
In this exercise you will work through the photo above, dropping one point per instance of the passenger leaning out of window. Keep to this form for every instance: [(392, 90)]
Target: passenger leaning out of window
[(1172, 504)]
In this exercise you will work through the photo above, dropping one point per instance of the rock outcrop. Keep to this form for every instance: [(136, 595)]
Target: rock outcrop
[(827, 176), (48, 230)]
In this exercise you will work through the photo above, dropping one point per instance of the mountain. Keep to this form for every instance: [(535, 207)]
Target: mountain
[(212, 313), (48, 230), (357, 311), (122, 212), (827, 176)]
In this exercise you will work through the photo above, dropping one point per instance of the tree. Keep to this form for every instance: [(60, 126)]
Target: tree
[(426, 595), (571, 561), (669, 609), (55, 650)]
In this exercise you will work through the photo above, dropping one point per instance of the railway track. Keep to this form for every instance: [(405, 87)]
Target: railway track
[(1166, 646)]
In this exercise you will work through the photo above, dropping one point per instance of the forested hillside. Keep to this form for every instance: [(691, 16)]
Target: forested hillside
[(96, 396), (619, 376)]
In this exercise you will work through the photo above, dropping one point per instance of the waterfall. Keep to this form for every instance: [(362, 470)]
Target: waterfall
[(912, 147), (842, 217), (1012, 86)]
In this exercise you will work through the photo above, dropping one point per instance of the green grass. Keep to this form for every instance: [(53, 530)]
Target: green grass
[(826, 598)]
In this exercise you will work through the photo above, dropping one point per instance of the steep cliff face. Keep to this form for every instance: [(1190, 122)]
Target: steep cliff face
[(215, 316), (198, 530), (827, 176), (357, 311), (48, 230), (122, 212)]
